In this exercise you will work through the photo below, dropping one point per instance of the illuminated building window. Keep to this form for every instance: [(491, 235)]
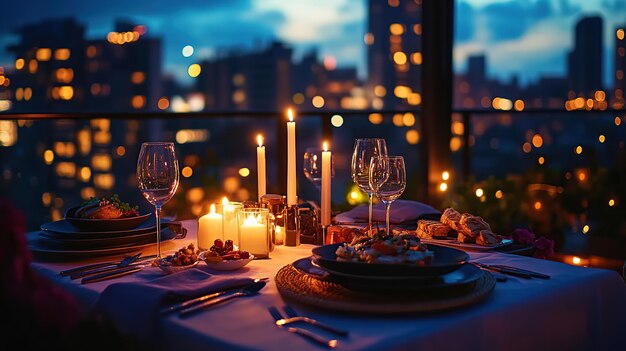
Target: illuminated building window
[(91, 51), (519, 105), (19, 64), (43, 54), (620, 34), (8, 133), (102, 138), (64, 75), (104, 181), (87, 193), (416, 58), (393, 3), (84, 141), (375, 118), (66, 169), (32, 66), (48, 157), (62, 54), (399, 58), (163, 103), (137, 77), (402, 91), (408, 119), (239, 96), (412, 136), (66, 92), (138, 101), (396, 29), (380, 91), (455, 144), (85, 174), (184, 136), (417, 29), (318, 101), (298, 98), (368, 38), (120, 151), (397, 120), (194, 70), (19, 94), (336, 121), (101, 162), (95, 89), (239, 79), (414, 99)]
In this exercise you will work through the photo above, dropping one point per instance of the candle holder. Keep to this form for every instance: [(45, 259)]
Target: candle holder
[(229, 221), (275, 204), (292, 226), (310, 231), (254, 231)]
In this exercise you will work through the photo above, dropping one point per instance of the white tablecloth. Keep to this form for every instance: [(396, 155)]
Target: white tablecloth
[(577, 309)]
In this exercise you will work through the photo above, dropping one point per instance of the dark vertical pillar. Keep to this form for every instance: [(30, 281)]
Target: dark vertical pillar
[(438, 26)]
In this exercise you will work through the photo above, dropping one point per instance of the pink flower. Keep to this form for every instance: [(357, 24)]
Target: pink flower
[(544, 247), (522, 236)]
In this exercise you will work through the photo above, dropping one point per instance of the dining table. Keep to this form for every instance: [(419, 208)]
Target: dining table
[(578, 308)]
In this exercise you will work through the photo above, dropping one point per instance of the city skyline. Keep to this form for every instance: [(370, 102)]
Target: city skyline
[(539, 40)]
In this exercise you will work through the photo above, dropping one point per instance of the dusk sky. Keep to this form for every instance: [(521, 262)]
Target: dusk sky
[(528, 38)]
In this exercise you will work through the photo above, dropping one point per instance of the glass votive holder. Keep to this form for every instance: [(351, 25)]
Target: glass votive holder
[(230, 227), (254, 231)]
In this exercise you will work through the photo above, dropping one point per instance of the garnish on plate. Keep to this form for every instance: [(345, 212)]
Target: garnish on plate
[(382, 248), (106, 208)]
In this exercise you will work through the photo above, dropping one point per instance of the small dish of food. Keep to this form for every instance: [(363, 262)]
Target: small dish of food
[(183, 259), (224, 256), (105, 214)]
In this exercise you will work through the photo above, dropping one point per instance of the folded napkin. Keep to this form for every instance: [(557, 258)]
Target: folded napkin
[(404, 212), (134, 307)]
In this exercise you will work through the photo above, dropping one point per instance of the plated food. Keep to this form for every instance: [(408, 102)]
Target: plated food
[(404, 248), (106, 208), (104, 215), (466, 227), (185, 256)]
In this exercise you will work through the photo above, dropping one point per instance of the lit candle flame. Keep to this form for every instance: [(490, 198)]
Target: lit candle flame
[(325, 146), (290, 115), (212, 209), (225, 201), (259, 139), (251, 219)]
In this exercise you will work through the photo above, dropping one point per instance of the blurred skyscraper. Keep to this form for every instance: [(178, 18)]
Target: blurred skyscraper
[(620, 67), (394, 54), (585, 60)]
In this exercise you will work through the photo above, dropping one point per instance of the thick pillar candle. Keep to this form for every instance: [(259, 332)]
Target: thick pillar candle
[(254, 237), (292, 198), (229, 220), (209, 229), (326, 181), (260, 165)]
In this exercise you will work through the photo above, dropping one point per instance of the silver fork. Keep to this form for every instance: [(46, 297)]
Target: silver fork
[(302, 332), (294, 317)]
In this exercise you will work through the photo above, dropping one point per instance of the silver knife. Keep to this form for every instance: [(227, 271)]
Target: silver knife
[(185, 304), (88, 267), (112, 274), (98, 270)]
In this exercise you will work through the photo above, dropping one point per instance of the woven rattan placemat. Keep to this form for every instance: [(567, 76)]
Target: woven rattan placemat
[(297, 286)]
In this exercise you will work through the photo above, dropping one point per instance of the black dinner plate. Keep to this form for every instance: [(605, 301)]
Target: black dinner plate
[(445, 260), (64, 230), (465, 275), (41, 251), (104, 225), (102, 243)]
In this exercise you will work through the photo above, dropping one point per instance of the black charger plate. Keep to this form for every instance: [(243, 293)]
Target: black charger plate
[(445, 260)]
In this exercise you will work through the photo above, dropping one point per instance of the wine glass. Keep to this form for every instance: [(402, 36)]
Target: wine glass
[(312, 166), (387, 180), (157, 174), (364, 150)]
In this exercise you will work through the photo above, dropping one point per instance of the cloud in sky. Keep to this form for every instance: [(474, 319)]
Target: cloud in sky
[(525, 37), (529, 38)]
